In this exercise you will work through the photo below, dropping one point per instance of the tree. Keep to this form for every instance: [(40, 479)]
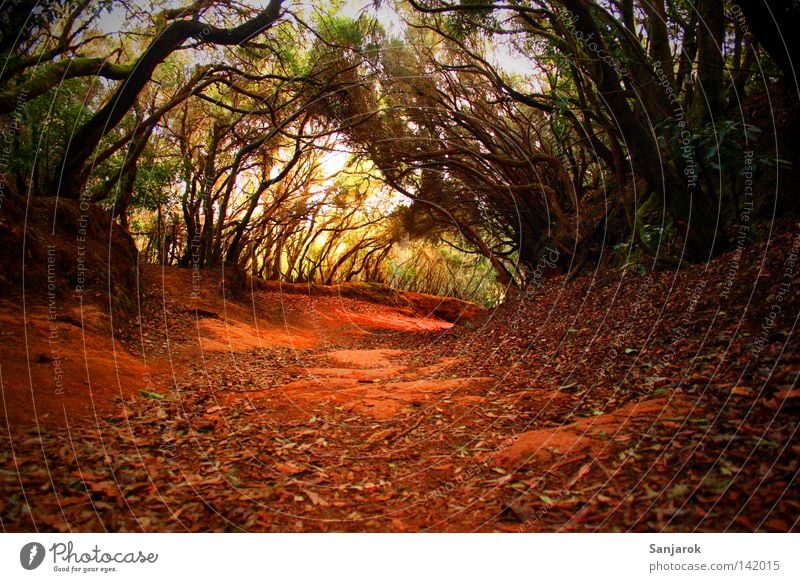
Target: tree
[(72, 174)]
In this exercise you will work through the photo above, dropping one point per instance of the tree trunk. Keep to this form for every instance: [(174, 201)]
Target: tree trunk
[(658, 36), (775, 23), (72, 173), (687, 206), (708, 92)]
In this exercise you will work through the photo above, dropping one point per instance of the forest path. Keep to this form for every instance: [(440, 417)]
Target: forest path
[(360, 423), (366, 418), (290, 411), (295, 412), (279, 412), (378, 383)]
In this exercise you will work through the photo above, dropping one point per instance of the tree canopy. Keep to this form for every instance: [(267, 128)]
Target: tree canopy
[(438, 146)]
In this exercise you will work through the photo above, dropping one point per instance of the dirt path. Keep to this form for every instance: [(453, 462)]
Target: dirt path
[(291, 413), (288, 412), (361, 421), (297, 413)]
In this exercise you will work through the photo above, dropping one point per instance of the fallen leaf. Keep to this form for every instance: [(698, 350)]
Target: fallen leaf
[(315, 499)]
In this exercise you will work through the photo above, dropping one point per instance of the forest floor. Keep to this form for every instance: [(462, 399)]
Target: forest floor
[(613, 402)]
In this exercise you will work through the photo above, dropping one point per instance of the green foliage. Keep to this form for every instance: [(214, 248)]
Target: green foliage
[(153, 183), (441, 121), (443, 270), (342, 30), (655, 235), (44, 126), (462, 23), (626, 255), (719, 147)]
